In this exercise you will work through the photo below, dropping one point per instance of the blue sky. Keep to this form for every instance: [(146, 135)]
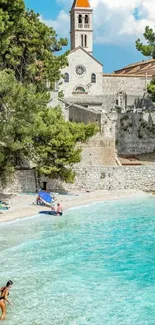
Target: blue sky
[(117, 24)]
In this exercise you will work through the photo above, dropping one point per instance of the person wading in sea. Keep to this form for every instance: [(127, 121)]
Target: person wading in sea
[(59, 210), (4, 293)]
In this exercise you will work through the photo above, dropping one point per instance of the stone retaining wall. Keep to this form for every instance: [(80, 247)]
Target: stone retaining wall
[(24, 181), (115, 178), (91, 178), (135, 133)]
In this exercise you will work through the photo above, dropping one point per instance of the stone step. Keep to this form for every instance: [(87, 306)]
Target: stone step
[(98, 141)]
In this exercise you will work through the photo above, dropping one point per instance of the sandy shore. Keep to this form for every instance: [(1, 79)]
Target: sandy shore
[(22, 205)]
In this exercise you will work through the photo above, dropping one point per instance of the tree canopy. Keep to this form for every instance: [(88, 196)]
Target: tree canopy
[(55, 142), (28, 46), (29, 129), (151, 89), (19, 105), (147, 49)]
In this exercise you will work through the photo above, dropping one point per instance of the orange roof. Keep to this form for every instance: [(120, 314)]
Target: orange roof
[(81, 4), (138, 68)]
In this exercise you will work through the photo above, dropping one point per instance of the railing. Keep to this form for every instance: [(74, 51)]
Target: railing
[(85, 26)]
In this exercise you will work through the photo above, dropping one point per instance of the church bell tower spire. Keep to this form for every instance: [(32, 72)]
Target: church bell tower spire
[(81, 21)]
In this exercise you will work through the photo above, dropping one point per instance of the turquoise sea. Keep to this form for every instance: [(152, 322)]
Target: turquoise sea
[(95, 265)]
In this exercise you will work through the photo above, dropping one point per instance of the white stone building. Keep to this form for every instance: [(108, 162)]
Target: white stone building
[(84, 82)]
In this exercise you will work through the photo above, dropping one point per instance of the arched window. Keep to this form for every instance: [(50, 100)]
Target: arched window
[(82, 41), (93, 78), (80, 89), (86, 19), (66, 77), (85, 41), (80, 19)]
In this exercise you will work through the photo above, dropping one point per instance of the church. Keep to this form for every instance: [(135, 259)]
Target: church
[(85, 84)]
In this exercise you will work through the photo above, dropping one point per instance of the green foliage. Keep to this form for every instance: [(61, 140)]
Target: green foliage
[(29, 130), (10, 13), (151, 89), (19, 105), (82, 132), (28, 46), (55, 143), (149, 48)]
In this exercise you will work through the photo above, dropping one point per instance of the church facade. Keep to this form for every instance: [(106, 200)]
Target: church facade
[(84, 82)]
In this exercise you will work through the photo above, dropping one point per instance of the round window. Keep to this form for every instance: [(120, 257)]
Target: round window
[(80, 70)]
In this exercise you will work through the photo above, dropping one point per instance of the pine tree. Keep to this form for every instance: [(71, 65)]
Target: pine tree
[(28, 46), (148, 49), (30, 130)]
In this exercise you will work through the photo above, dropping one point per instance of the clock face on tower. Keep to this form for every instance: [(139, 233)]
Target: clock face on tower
[(80, 70)]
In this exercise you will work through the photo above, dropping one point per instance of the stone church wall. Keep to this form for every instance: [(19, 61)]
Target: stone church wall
[(76, 58), (132, 87), (135, 133)]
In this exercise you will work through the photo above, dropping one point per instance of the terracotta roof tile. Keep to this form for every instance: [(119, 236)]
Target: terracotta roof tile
[(138, 68), (81, 4)]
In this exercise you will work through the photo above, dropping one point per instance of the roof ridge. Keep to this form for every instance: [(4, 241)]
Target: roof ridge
[(136, 64), (79, 47)]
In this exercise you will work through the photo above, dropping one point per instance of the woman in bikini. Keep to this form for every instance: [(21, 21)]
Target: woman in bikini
[(4, 293)]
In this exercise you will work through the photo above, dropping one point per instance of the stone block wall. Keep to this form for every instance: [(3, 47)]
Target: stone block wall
[(91, 178), (24, 181), (135, 133), (84, 115), (134, 85), (98, 151), (114, 178)]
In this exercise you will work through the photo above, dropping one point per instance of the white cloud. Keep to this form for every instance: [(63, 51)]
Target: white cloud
[(121, 21), (115, 21), (61, 24)]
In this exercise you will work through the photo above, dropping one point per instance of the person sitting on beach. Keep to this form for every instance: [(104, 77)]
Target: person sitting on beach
[(4, 293), (59, 210), (38, 200)]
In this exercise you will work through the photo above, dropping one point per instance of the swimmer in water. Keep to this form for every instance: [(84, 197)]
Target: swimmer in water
[(4, 293)]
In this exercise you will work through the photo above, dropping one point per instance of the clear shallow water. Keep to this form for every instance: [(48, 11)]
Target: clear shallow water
[(95, 265)]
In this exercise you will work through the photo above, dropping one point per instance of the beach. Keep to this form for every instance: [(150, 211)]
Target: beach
[(87, 264), (22, 205)]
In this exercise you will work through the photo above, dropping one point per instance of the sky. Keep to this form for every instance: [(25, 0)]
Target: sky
[(117, 25)]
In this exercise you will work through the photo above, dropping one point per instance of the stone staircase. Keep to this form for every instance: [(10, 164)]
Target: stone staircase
[(98, 152)]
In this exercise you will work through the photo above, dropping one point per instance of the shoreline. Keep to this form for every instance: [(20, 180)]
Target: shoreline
[(21, 205)]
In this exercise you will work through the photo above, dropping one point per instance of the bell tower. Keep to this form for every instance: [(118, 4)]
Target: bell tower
[(81, 25)]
